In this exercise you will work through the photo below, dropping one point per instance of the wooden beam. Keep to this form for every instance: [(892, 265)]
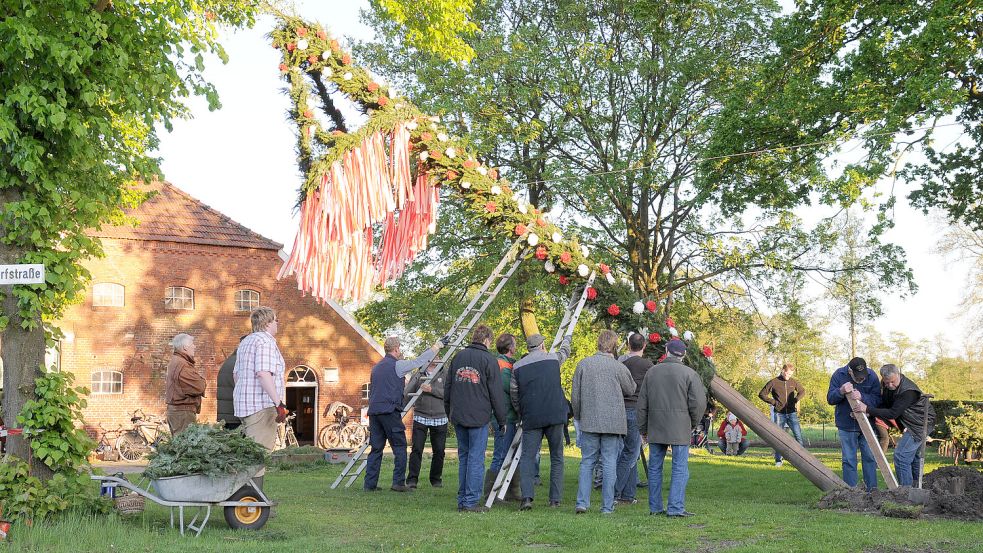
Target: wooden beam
[(800, 458), (875, 446)]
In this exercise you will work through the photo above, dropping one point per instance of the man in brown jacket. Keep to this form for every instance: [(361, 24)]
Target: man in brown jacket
[(184, 385)]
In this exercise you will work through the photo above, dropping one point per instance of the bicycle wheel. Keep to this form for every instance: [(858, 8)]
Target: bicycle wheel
[(353, 436), (131, 446), (330, 436)]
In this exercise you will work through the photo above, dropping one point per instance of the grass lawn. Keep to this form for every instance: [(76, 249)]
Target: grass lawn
[(743, 504)]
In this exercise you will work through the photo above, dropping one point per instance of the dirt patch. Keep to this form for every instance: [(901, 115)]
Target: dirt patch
[(706, 545), (953, 492)]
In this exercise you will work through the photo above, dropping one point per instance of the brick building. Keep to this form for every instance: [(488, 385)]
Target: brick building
[(188, 268)]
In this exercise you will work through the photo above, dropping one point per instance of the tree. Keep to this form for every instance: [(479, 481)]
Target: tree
[(437, 26), (965, 244), (85, 86)]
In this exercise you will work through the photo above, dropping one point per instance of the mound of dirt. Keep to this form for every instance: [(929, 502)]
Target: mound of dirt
[(953, 492)]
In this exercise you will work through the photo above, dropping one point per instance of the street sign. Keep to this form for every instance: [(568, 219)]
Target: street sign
[(32, 273)]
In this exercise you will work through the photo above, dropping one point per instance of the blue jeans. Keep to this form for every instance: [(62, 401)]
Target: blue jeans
[(607, 447), (906, 459), (502, 442), (792, 421), (627, 471), (471, 445), (382, 428), (677, 482), (850, 442)]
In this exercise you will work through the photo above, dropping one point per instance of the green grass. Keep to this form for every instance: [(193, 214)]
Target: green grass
[(743, 504)]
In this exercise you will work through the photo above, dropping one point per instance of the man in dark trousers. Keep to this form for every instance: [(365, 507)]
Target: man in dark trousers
[(670, 404), (386, 409), (904, 403), (784, 393), (537, 396), (473, 390), (858, 380), (428, 417), (638, 365), (225, 410)]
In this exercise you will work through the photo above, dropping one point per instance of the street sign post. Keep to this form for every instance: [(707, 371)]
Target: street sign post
[(25, 273)]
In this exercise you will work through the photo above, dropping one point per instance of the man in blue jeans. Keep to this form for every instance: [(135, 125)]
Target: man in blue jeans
[(627, 480), (784, 393), (472, 391), (858, 380), (670, 404), (904, 403)]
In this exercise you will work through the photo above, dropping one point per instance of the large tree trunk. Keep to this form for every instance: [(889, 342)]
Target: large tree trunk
[(527, 316)]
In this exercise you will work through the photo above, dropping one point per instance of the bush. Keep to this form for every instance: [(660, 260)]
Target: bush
[(949, 409), (211, 450), (967, 429)]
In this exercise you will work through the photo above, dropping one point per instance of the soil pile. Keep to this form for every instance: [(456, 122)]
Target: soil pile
[(953, 492)]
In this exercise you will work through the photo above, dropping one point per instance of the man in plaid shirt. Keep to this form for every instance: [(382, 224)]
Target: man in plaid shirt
[(258, 375)]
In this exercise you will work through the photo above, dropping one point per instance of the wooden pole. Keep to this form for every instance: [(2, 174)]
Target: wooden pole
[(875, 446), (800, 458)]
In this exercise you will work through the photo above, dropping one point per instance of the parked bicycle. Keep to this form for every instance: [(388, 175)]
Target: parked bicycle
[(345, 432), (285, 436), (106, 450), (143, 437)]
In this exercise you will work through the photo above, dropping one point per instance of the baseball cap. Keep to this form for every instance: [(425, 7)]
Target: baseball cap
[(676, 347), (858, 366)]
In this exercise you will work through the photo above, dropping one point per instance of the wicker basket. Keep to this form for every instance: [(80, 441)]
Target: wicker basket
[(130, 504)]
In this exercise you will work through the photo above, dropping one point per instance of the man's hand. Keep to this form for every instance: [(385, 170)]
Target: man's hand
[(426, 388), (860, 408), (281, 413), (846, 388), (856, 395), (442, 343)]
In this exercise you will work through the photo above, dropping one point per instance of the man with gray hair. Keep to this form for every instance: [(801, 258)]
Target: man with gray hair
[(183, 385), (903, 402), (600, 383)]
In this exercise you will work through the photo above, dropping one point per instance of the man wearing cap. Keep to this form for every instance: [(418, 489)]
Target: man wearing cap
[(904, 402), (537, 396), (859, 381), (670, 404)]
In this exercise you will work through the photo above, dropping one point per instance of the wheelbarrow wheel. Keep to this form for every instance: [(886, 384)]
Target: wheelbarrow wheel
[(247, 518)]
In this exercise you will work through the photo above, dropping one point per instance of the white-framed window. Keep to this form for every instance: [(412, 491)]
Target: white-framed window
[(365, 390), (107, 294), (247, 300), (107, 382), (332, 375), (179, 297)]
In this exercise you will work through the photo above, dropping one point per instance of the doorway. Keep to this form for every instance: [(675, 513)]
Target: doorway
[(301, 398)]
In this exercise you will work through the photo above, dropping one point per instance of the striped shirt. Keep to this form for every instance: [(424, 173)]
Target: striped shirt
[(257, 353)]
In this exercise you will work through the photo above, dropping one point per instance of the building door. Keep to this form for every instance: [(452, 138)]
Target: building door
[(301, 398)]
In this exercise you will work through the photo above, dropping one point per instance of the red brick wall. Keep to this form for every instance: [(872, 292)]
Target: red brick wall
[(135, 339)]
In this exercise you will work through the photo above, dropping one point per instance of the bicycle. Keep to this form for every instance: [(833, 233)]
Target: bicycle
[(345, 432), (105, 450), (143, 437), (285, 436)]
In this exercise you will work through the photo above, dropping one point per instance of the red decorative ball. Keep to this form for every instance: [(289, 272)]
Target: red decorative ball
[(604, 269), (651, 306), (346, 59), (566, 257), (312, 59), (540, 221), (435, 154), (670, 323), (301, 31), (493, 173), (614, 310), (373, 87), (426, 136), (707, 351), (564, 280), (308, 114), (382, 100), (291, 46), (451, 174), (470, 164), (334, 45), (490, 207), (591, 293), (321, 34), (521, 229), (283, 68), (655, 337), (541, 252)]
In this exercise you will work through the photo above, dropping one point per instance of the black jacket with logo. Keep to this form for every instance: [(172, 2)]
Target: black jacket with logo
[(473, 388)]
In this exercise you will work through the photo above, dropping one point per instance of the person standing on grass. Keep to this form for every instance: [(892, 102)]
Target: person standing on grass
[(184, 386), (626, 484), (537, 396), (670, 405), (258, 376), (428, 417), (600, 383), (472, 392), (860, 382), (225, 389), (505, 345), (904, 403), (386, 411), (784, 393)]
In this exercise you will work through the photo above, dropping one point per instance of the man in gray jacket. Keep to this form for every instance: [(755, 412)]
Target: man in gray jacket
[(428, 417), (599, 386), (670, 404)]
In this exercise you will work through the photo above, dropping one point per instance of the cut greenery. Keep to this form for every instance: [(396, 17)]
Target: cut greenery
[(205, 449)]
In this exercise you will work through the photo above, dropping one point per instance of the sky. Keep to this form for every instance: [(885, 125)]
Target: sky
[(240, 160)]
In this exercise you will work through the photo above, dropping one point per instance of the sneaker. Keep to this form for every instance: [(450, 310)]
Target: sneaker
[(400, 488), (554, 503), (682, 515), (526, 504), (778, 464), (580, 510)]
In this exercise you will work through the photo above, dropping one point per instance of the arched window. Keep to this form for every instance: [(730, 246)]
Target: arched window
[(179, 297), (107, 382), (301, 374), (107, 294), (246, 300)]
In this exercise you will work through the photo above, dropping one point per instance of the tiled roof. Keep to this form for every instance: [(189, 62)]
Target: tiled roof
[(172, 215)]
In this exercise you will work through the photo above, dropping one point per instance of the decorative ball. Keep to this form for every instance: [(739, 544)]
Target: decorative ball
[(382, 100), (346, 59), (585, 251), (302, 44), (610, 278), (523, 208), (557, 237), (464, 184), (532, 239), (482, 171), (707, 351), (673, 331), (412, 125), (655, 338), (549, 266), (347, 76), (687, 335), (325, 55), (490, 207), (565, 257), (614, 310), (670, 323), (301, 31), (451, 174), (591, 293), (520, 229), (651, 306), (583, 270), (540, 221), (470, 164), (451, 152), (638, 308), (493, 173), (496, 189), (564, 280), (604, 269), (442, 137), (541, 252), (425, 156), (373, 86), (436, 154)]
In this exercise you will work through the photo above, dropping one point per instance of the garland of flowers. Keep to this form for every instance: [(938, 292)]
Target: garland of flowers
[(307, 49)]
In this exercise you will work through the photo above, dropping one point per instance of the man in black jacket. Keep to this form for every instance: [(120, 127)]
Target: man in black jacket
[(784, 393), (473, 389), (904, 403), (225, 411)]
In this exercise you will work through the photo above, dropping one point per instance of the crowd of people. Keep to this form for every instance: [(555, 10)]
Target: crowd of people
[(616, 403)]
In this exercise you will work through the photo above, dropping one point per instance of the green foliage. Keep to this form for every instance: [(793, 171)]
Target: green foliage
[(967, 429), (946, 410), (205, 449), (50, 420), (23, 496), (954, 379), (437, 26)]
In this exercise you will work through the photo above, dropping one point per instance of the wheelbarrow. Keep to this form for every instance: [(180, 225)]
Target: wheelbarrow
[(245, 507)]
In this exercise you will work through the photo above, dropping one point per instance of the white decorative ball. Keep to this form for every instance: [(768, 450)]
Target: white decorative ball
[(532, 239), (583, 270), (496, 189), (638, 308), (465, 184), (585, 251), (482, 171), (327, 73), (412, 125), (523, 208), (557, 237), (347, 76), (673, 331), (424, 156), (432, 227), (549, 266), (687, 336), (302, 44), (451, 152), (610, 278), (442, 137), (325, 55)]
